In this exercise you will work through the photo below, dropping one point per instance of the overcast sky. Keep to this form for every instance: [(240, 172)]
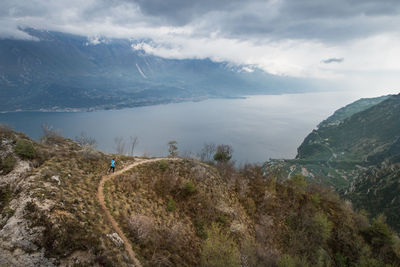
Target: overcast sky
[(356, 42)]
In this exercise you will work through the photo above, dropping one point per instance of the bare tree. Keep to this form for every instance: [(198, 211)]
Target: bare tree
[(207, 152), (119, 145), (133, 143), (50, 136), (173, 148), (85, 140)]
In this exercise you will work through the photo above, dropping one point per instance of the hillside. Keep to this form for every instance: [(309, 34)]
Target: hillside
[(59, 71), (347, 143), (357, 152), (376, 190), (174, 212), (346, 112)]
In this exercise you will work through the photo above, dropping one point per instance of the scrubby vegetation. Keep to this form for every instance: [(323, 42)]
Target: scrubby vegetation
[(259, 221), (7, 164), (180, 212), (25, 149)]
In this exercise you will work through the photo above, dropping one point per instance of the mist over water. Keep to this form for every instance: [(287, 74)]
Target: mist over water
[(258, 127)]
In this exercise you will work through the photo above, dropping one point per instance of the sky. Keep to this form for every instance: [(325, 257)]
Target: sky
[(355, 43)]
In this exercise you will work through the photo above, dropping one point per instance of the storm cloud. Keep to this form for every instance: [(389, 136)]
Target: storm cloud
[(283, 37)]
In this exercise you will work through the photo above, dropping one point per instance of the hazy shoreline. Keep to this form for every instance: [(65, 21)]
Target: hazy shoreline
[(116, 106)]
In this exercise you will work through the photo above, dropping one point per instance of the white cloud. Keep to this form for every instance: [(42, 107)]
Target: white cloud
[(277, 36)]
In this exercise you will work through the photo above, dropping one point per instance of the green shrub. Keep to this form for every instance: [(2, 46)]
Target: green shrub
[(223, 154), (315, 199), (189, 188), (298, 182), (250, 206), (25, 149), (5, 197), (219, 249), (222, 220), (286, 261), (171, 206), (199, 227), (7, 165), (340, 260), (163, 165), (322, 226), (6, 132)]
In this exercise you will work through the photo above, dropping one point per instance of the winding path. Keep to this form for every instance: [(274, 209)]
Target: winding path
[(110, 218)]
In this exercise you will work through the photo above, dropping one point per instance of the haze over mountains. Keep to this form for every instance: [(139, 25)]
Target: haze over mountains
[(59, 71)]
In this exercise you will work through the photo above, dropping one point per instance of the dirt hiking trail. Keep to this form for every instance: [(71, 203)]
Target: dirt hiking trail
[(110, 218)]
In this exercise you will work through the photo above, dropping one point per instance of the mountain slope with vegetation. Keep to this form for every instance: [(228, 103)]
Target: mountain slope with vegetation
[(357, 152), (174, 213)]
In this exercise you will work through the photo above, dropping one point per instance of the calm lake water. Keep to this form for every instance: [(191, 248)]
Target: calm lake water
[(258, 127)]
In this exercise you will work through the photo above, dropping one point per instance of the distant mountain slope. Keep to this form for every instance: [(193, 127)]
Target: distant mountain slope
[(347, 142), (358, 138), (357, 153), (343, 113), (67, 71)]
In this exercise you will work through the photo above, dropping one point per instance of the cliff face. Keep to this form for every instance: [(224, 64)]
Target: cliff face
[(177, 212)]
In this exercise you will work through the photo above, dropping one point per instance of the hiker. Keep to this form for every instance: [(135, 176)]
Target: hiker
[(112, 167)]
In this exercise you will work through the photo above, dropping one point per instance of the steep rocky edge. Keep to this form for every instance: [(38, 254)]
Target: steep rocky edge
[(174, 213)]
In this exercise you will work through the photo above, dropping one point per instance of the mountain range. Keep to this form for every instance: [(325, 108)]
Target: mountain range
[(59, 71)]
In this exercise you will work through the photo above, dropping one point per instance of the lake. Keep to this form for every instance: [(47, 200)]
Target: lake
[(258, 127)]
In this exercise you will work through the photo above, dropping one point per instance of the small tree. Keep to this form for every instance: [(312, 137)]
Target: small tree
[(223, 154), (85, 140), (50, 136), (133, 143), (207, 152), (119, 145), (173, 148)]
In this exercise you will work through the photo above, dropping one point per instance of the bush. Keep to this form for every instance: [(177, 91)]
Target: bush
[(322, 226), (7, 164), (89, 153), (298, 182), (6, 132), (219, 249), (5, 197), (199, 227), (286, 261), (171, 206), (223, 154), (51, 136), (250, 206), (25, 149), (141, 228), (163, 165), (189, 188)]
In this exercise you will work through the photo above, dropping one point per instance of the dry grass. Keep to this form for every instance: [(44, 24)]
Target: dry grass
[(140, 200), (264, 221)]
